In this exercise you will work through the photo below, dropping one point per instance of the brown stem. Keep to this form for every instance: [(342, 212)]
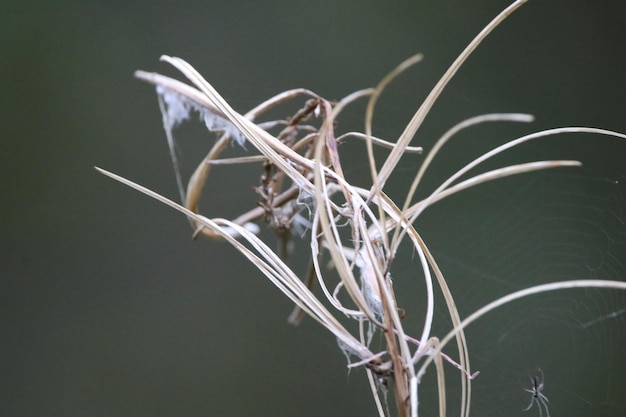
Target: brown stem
[(399, 375)]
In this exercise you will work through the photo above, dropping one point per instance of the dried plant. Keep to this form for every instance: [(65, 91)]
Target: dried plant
[(302, 187)]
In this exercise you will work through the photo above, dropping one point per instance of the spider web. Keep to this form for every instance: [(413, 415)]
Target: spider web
[(543, 228)]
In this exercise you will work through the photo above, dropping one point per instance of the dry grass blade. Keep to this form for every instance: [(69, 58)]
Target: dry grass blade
[(369, 115), (377, 141), (274, 150), (412, 127), (553, 286), (440, 143), (268, 263), (445, 189)]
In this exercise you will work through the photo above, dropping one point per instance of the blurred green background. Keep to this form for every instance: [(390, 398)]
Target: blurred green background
[(107, 306)]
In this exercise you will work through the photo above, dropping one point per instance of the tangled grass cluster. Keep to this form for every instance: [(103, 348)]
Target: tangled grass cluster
[(304, 194)]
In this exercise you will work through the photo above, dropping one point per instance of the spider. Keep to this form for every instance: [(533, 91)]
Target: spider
[(537, 395)]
